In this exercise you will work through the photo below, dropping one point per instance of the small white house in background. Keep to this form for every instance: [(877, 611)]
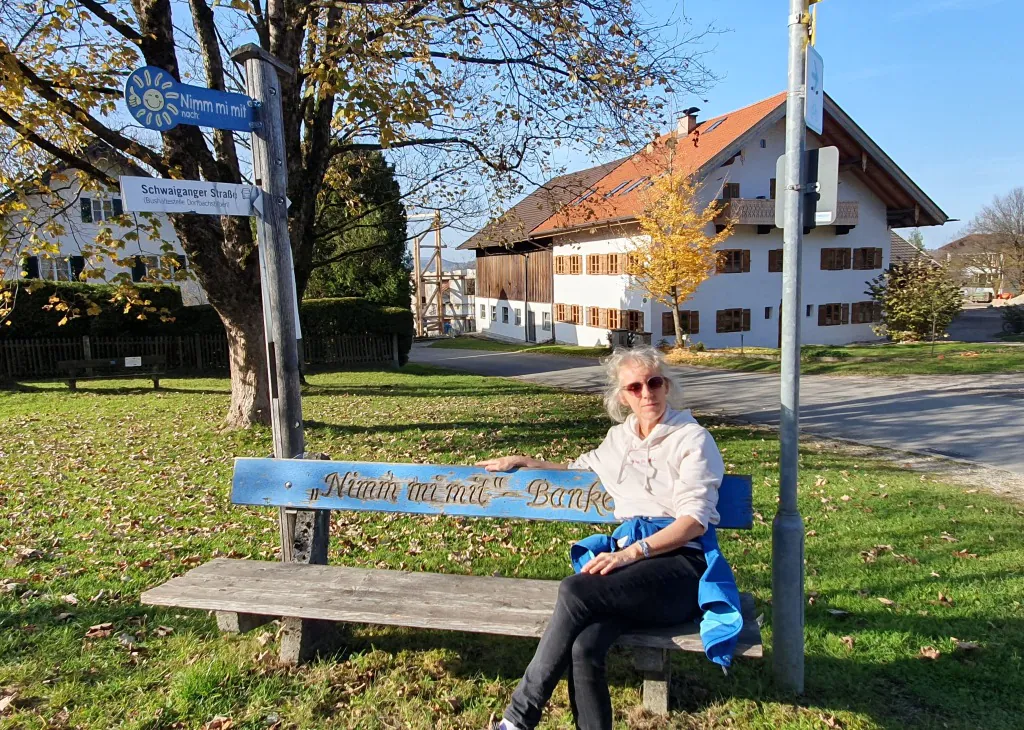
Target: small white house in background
[(592, 227), (80, 213)]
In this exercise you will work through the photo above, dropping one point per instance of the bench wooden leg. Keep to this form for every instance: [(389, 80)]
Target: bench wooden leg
[(656, 668), (240, 623), (304, 638), (156, 383), (72, 385)]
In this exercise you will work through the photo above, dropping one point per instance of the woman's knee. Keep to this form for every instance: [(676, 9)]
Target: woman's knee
[(574, 590)]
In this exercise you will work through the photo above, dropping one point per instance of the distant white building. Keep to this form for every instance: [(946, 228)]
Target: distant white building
[(78, 214), (565, 271)]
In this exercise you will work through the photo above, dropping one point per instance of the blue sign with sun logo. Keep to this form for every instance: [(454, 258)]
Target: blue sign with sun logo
[(155, 100)]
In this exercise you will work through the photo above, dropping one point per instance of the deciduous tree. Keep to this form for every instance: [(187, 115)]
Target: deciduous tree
[(674, 251), (464, 95), (918, 298)]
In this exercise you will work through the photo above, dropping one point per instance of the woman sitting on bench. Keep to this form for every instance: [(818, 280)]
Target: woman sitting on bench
[(663, 470)]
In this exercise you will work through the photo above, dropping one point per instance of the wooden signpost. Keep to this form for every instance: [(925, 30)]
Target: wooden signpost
[(158, 101)]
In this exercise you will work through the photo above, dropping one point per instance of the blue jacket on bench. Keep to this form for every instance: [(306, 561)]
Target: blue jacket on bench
[(717, 594)]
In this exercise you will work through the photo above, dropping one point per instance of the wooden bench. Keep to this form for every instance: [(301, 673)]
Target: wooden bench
[(149, 367), (246, 594)]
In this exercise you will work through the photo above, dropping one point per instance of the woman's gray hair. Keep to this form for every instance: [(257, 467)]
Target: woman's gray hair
[(640, 355)]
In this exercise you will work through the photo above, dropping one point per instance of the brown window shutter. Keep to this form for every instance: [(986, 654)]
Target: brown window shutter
[(746, 260), (694, 322), (639, 321), (846, 314), (821, 315), (721, 262), (623, 262), (846, 258), (720, 320), (876, 311), (855, 312), (878, 259), (826, 259), (668, 327), (746, 320)]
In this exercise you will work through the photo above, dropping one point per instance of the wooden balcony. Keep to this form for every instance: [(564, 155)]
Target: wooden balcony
[(761, 212)]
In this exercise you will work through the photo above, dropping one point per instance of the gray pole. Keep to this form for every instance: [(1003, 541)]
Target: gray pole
[(788, 526), (278, 285)]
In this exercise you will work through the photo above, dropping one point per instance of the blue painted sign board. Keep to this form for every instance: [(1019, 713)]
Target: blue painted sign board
[(159, 102), (571, 495)]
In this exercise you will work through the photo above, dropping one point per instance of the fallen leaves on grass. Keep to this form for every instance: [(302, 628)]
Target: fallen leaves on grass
[(848, 642), (886, 601), (6, 700), (219, 723), (929, 652), (944, 600), (964, 554), (100, 631)]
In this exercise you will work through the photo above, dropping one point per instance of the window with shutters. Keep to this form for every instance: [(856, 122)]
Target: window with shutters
[(614, 319), (593, 316), (559, 312), (775, 260), (732, 320), (613, 263), (632, 261), (733, 261), (576, 264), (634, 320), (143, 265), (865, 312), (830, 315), (835, 259), (561, 265), (731, 191), (867, 258), (593, 263), (55, 269), (688, 321), (576, 312), (96, 210)]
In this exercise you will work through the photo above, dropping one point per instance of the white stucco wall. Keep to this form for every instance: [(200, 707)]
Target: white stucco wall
[(79, 237), (754, 290), (510, 331)]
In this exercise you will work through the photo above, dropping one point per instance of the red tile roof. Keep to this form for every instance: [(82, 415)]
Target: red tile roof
[(515, 224), (616, 197)]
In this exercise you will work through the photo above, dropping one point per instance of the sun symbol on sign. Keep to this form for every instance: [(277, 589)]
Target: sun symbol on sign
[(150, 98)]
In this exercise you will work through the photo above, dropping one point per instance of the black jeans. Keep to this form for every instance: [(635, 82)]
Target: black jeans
[(591, 613)]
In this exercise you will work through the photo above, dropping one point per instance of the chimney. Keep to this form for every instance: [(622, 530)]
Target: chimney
[(688, 122)]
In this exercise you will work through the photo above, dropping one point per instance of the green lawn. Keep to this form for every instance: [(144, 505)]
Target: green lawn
[(480, 343), (115, 488), (948, 358)]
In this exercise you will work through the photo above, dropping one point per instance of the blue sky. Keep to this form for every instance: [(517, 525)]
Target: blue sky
[(939, 84)]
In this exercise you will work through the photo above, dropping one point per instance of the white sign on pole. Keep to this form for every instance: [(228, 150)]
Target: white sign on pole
[(133, 362), (157, 195), (814, 105)]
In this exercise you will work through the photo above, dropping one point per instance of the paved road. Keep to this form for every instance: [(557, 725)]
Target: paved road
[(976, 418), (977, 323)]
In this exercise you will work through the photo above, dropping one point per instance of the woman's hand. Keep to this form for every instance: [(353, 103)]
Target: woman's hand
[(605, 563), (504, 463)]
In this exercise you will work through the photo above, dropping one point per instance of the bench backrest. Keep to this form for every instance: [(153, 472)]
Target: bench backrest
[(118, 363), (571, 496)]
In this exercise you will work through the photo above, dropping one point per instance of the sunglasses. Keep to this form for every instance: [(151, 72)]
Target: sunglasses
[(652, 384)]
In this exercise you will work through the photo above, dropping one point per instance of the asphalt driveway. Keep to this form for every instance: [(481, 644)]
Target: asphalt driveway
[(977, 418)]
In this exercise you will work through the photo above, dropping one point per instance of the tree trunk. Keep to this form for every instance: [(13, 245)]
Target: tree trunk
[(675, 319), (250, 387)]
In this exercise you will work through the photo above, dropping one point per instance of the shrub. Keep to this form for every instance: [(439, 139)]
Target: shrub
[(353, 315), (72, 309), (916, 296)]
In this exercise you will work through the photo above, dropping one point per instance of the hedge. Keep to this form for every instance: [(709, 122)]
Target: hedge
[(320, 317), (354, 315), (29, 319)]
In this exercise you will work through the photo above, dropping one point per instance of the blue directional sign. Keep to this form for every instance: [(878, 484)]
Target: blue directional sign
[(159, 102)]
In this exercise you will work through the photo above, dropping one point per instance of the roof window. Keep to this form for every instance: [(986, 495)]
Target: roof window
[(714, 126), (635, 185), (617, 188)]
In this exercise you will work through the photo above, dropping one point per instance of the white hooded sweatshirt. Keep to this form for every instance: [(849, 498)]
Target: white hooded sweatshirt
[(674, 472)]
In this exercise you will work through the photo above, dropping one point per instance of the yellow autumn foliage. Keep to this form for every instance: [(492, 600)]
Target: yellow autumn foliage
[(674, 250)]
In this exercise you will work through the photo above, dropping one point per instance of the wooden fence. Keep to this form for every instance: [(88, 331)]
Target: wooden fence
[(184, 353)]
